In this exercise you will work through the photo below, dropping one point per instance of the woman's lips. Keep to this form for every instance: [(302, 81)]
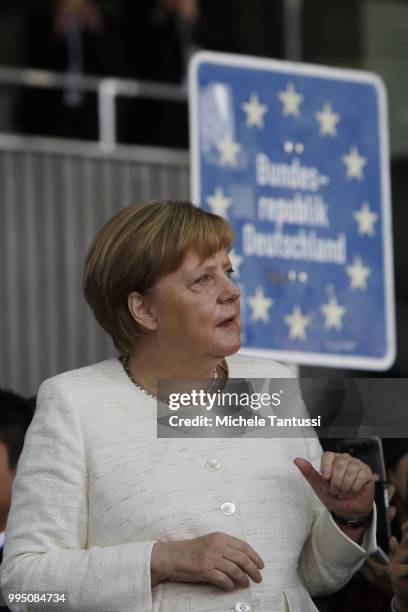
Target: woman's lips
[(227, 323)]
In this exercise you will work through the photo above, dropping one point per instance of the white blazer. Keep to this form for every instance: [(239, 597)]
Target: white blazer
[(95, 488)]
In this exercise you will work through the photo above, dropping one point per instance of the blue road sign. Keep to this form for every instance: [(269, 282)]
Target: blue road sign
[(296, 158)]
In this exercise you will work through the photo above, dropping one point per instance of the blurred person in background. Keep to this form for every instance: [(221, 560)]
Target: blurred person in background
[(372, 589), (396, 461), (398, 570), (75, 37), (121, 519), (159, 38), (15, 417), (136, 39)]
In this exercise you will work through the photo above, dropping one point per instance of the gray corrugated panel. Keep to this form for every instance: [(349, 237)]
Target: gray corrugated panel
[(126, 193), (90, 346), (29, 212), (141, 183), (55, 196), (5, 253), (3, 259), (10, 271), (72, 257), (50, 268)]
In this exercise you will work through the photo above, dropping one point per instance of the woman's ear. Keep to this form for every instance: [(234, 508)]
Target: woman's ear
[(140, 310)]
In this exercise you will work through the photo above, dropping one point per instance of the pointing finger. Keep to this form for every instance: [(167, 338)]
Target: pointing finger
[(312, 476)]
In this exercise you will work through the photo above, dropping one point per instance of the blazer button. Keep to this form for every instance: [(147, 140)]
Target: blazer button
[(228, 508), (242, 606), (213, 464)]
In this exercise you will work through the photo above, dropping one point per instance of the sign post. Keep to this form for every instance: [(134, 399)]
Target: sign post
[(296, 158)]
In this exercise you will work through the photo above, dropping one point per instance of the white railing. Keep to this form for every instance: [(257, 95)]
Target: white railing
[(107, 90)]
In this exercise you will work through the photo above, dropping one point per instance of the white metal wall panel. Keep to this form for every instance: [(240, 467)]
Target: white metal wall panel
[(54, 196)]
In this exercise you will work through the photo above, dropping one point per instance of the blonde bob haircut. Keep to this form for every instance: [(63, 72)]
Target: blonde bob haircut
[(137, 247)]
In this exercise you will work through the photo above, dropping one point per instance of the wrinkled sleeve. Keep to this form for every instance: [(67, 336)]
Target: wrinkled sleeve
[(329, 557), (46, 534)]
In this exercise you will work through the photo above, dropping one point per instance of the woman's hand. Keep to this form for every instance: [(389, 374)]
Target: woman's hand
[(217, 558), (345, 485)]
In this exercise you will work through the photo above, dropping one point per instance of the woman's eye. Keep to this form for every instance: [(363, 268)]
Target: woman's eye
[(202, 279)]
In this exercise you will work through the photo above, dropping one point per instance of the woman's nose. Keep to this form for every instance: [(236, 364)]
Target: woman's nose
[(230, 291)]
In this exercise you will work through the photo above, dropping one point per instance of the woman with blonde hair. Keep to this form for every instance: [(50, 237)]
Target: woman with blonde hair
[(120, 520)]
